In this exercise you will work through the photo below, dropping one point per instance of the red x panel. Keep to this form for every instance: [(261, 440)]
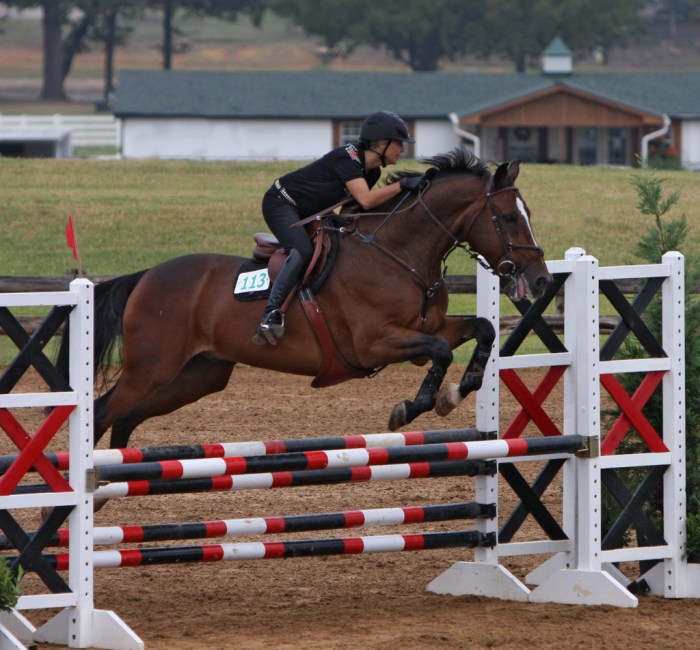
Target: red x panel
[(532, 402), (632, 415), (31, 448)]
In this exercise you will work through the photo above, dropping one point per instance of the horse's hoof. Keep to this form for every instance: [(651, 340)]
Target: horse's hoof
[(399, 416), (447, 400)]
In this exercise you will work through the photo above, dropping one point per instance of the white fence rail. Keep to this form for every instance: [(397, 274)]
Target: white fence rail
[(86, 130)]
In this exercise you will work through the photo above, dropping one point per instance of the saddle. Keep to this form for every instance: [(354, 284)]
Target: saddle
[(334, 369), (269, 250)]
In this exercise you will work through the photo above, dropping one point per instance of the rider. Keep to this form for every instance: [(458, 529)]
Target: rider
[(352, 169)]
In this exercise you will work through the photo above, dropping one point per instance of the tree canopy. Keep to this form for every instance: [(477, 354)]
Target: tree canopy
[(417, 33), (421, 35)]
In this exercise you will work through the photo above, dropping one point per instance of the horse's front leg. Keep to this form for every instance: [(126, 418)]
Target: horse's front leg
[(467, 328), (440, 353)]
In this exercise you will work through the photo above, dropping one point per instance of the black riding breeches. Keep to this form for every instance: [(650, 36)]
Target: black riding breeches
[(279, 216)]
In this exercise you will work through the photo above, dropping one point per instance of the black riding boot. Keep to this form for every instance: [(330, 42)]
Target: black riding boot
[(271, 327)]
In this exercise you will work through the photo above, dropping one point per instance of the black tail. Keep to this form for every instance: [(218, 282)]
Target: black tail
[(110, 301)]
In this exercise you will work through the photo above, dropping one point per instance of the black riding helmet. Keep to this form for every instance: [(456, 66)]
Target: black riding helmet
[(385, 125)]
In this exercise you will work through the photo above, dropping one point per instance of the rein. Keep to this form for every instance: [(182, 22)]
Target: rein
[(503, 268), (370, 239)]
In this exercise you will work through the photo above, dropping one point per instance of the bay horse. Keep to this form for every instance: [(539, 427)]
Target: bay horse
[(385, 302)]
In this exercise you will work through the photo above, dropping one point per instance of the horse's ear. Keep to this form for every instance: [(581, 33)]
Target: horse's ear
[(514, 170), (500, 178), (506, 173)]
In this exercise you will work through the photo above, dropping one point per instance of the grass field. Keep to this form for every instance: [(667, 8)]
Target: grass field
[(134, 214)]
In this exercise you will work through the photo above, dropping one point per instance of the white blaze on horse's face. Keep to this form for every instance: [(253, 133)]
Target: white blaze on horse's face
[(521, 206)]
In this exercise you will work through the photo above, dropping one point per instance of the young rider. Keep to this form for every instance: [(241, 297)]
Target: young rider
[(350, 170)]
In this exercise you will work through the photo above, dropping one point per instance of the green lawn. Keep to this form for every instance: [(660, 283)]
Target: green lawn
[(134, 214)]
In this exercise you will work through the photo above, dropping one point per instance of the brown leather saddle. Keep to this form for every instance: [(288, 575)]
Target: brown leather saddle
[(334, 369), (268, 249)]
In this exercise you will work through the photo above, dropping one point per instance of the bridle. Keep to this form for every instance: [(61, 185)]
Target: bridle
[(504, 267)]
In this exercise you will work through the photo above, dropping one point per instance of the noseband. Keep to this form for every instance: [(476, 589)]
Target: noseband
[(504, 266)]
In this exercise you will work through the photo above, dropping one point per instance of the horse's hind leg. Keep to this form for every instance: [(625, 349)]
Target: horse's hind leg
[(451, 396), (201, 376)]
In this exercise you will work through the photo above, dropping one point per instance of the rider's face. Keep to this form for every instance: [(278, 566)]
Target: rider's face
[(394, 151)]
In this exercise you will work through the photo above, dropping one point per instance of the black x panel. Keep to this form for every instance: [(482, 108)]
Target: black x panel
[(31, 349), (530, 502), (631, 315), (30, 548), (632, 513), (532, 320)]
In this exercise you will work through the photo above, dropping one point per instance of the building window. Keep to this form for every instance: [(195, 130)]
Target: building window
[(586, 141), (349, 131), (617, 146), (522, 144)]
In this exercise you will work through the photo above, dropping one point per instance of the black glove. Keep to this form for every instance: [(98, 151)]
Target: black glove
[(413, 183)]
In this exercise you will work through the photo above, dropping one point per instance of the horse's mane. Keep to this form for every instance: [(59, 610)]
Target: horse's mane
[(459, 161)]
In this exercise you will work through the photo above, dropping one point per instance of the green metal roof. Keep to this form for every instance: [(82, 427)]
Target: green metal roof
[(675, 93), (556, 48), (350, 95)]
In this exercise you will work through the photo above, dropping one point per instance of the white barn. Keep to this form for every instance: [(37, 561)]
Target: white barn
[(588, 118)]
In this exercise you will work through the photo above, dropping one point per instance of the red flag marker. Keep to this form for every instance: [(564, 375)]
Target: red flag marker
[(72, 241), (70, 238)]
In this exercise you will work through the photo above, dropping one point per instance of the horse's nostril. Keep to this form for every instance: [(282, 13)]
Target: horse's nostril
[(542, 282)]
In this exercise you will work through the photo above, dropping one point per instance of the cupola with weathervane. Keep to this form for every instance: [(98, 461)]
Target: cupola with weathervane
[(557, 58)]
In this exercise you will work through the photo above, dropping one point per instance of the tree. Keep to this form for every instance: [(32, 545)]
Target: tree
[(330, 20), (600, 24), (53, 17), (420, 34), (58, 52), (520, 29), (417, 33), (676, 10), (108, 29), (663, 235), (226, 9)]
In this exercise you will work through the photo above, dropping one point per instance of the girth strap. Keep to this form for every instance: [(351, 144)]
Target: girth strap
[(334, 369)]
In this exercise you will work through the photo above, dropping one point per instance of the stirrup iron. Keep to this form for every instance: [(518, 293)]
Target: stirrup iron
[(270, 331)]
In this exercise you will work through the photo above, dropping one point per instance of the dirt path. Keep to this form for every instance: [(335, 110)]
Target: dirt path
[(341, 603)]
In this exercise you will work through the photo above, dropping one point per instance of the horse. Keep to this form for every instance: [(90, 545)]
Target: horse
[(180, 331)]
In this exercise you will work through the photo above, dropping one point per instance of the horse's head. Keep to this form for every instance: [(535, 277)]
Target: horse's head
[(481, 212), (497, 226)]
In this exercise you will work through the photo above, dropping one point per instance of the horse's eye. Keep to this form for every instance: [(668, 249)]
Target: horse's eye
[(510, 217)]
